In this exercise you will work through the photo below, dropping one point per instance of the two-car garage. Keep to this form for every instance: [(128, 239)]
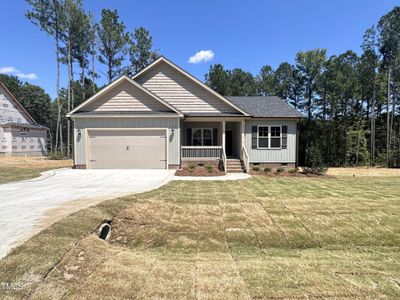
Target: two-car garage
[(126, 148)]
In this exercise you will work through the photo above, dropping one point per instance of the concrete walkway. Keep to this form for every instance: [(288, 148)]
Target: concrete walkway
[(27, 207)]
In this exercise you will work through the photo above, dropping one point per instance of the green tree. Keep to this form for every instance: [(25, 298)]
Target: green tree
[(389, 47), (112, 42), (242, 83), (32, 97), (310, 64), (49, 16), (141, 51), (36, 101), (218, 79), (266, 81), (12, 83), (356, 146)]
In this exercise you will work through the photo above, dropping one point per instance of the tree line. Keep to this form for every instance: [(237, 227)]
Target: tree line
[(350, 102), (81, 43)]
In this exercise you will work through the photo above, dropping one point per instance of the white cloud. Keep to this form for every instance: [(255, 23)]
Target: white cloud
[(8, 70), (16, 72), (201, 56), (29, 76)]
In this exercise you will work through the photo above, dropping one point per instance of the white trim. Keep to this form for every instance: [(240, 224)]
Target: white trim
[(130, 129), (116, 82), (190, 76), (269, 137)]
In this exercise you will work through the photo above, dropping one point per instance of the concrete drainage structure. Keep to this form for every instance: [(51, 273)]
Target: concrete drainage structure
[(104, 231)]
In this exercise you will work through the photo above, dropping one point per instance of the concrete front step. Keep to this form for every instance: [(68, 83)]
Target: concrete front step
[(234, 165), (235, 171)]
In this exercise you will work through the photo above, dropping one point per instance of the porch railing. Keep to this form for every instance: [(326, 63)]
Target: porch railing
[(201, 152), (245, 158)]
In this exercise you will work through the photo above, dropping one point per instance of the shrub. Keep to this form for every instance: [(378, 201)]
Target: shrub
[(192, 167), (267, 169), (256, 168), (280, 170), (314, 163), (209, 168), (55, 156), (292, 171)]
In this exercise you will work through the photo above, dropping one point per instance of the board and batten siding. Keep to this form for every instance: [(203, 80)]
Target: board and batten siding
[(181, 91), (125, 97), (173, 139), (272, 155)]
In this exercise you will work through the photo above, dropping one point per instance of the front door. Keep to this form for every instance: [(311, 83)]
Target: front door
[(229, 142)]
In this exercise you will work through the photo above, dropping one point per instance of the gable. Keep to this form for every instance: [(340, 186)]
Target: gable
[(125, 97), (11, 110), (181, 91)]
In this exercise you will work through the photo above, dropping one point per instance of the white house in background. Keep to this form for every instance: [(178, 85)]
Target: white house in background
[(19, 133), (163, 117)]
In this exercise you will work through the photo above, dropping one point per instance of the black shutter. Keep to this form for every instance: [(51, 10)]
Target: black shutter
[(215, 137), (284, 137), (189, 136), (253, 137)]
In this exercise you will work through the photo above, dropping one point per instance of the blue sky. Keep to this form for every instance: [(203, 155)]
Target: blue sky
[(245, 34)]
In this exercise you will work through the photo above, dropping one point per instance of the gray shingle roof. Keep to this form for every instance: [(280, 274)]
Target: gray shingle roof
[(265, 106)]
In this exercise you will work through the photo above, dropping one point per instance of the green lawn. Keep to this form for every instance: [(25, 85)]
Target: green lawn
[(263, 238)]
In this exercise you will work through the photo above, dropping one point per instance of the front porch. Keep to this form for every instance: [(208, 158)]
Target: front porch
[(208, 140)]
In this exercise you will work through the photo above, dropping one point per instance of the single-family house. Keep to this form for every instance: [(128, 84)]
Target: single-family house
[(163, 117), (20, 134)]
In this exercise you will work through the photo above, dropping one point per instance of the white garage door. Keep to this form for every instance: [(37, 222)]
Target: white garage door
[(127, 149)]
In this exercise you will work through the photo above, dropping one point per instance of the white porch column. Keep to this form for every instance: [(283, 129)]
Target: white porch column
[(242, 128), (223, 135)]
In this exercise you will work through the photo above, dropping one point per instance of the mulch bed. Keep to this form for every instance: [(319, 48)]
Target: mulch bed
[(199, 171)]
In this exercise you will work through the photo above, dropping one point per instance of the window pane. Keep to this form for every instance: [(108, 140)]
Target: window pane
[(263, 131), (275, 131), (207, 142), (275, 142), (263, 142), (207, 133), (197, 137)]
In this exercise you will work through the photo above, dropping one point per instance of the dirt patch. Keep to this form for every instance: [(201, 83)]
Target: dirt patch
[(34, 162), (364, 172)]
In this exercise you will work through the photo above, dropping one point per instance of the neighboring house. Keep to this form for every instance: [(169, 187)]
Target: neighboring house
[(19, 133), (163, 117)]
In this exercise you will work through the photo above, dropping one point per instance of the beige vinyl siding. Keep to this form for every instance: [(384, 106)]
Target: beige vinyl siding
[(173, 139), (180, 91), (125, 97), (272, 155)]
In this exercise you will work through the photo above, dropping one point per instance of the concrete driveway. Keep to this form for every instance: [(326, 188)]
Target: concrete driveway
[(26, 207)]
